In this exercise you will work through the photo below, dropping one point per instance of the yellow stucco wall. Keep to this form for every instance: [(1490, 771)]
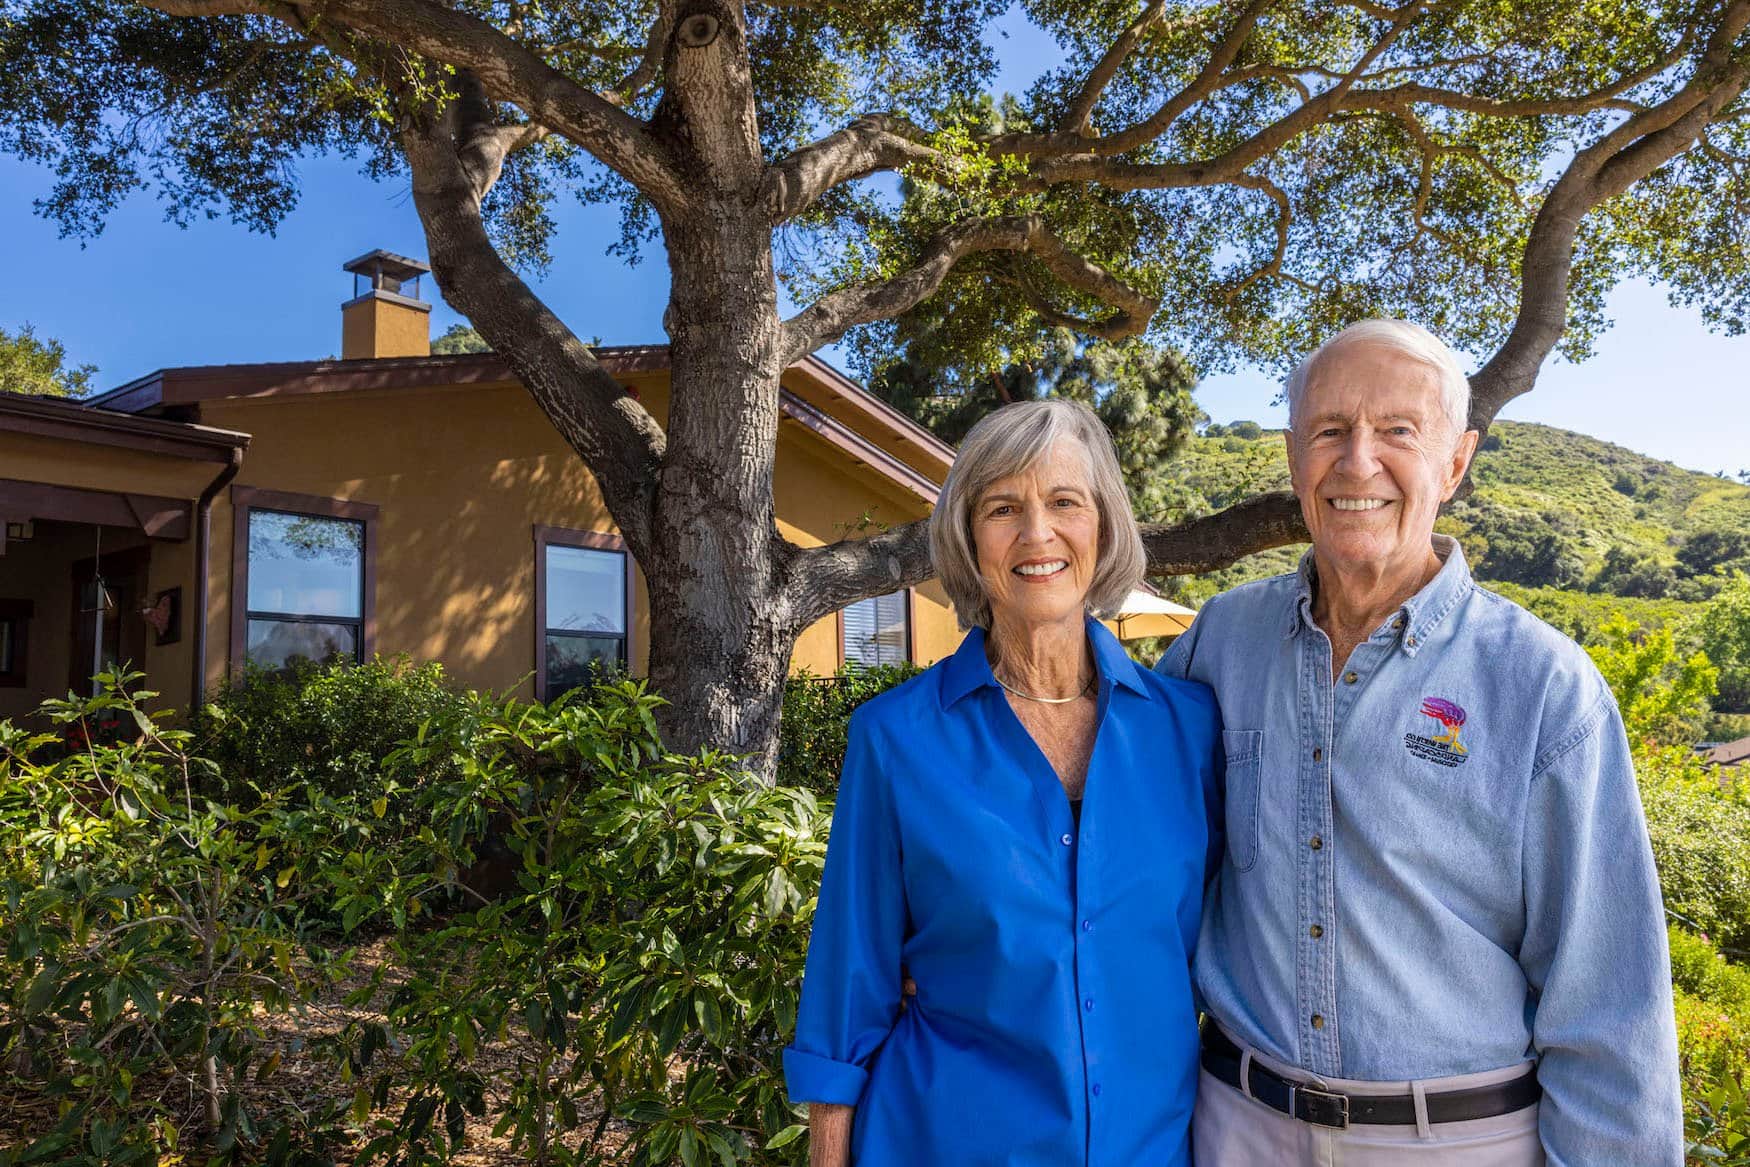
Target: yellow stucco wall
[(462, 476), (29, 458), (382, 328)]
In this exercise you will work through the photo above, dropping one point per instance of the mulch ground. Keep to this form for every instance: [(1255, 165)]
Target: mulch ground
[(303, 1081)]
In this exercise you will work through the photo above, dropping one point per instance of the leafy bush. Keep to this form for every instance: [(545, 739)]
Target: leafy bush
[(1709, 551), (1718, 1124), (1699, 838), (817, 712), (146, 928), (1713, 1041), (328, 725), (1628, 573), (1517, 546), (647, 944), (1583, 615), (1662, 693), (1722, 630)]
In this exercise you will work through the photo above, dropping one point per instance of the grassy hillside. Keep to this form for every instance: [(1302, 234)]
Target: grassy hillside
[(1612, 497), (1552, 508)]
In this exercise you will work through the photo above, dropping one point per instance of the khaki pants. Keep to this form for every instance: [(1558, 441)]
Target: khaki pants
[(1231, 1130)]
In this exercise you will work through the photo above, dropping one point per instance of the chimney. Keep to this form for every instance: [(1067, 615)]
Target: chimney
[(379, 320)]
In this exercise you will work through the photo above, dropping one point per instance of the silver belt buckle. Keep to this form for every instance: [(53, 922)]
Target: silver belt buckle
[(1322, 1109)]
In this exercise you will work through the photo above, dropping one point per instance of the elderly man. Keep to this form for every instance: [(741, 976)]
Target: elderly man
[(1436, 937)]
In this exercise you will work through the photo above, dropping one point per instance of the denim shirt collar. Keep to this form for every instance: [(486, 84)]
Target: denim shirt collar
[(1420, 615), (969, 669)]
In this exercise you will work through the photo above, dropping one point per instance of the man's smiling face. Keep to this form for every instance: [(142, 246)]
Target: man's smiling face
[(1372, 456)]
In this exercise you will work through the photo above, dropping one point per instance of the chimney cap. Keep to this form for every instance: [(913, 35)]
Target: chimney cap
[(386, 263)]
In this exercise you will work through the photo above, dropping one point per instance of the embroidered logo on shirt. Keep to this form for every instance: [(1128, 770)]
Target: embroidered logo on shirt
[(1443, 748)]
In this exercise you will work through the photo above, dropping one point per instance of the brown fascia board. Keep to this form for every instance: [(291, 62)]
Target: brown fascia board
[(187, 386), (857, 447), (864, 403), (77, 421)]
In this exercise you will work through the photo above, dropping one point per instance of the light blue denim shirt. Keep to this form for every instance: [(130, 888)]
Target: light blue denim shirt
[(1436, 862)]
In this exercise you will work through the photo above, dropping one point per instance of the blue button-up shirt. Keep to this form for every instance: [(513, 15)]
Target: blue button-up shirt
[(1054, 1021), (1436, 862)]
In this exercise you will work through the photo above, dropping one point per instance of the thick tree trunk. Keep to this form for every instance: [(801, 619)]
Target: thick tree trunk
[(722, 628)]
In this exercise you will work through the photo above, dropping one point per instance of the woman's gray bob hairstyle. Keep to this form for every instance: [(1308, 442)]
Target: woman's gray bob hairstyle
[(1009, 442)]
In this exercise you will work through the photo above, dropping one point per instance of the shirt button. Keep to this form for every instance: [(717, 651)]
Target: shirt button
[(1065, 840), (1351, 678), (1318, 754), (1315, 843), (1087, 925), (1398, 624), (1318, 1020), (1096, 1089), (1410, 640), (1088, 1004), (1315, 931)]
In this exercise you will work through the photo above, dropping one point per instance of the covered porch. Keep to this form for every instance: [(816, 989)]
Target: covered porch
[(103, 548)]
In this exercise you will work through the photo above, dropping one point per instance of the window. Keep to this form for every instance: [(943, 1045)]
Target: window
[(582, 600), (877, 631), (304, 578), (14, 623)]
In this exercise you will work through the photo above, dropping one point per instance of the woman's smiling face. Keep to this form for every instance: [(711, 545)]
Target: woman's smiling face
[(1037, 536)]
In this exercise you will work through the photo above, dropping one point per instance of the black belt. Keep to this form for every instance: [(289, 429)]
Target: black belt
[(1221, 1057)]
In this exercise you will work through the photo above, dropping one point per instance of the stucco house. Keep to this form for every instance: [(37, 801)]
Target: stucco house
[(390, 501)]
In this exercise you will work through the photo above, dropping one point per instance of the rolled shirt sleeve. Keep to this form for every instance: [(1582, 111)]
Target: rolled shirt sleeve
[(1595, 957), (851, 982)]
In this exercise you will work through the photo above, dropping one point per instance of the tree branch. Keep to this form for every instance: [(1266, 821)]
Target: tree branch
[(1631, 151), (825, 579), (482, 145), (835, 313), (640, 78), (508, 70), (869, 144), (617, 439), (1075, 118), (1096, 165), (1284, 220), (1216, 541)]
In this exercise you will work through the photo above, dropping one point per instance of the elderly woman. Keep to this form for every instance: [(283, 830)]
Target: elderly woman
[(1026, 829)]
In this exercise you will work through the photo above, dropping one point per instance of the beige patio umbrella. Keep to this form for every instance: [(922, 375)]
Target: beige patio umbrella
[(1145, 614)]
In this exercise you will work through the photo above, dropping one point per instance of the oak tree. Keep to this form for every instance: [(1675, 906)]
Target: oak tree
[(1241, 178), (32, 365)]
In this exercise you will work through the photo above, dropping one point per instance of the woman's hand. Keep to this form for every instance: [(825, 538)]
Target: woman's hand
[(829, 1134)]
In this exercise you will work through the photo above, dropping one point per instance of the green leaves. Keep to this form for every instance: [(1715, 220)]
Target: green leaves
[(142, 942), (631, 923)]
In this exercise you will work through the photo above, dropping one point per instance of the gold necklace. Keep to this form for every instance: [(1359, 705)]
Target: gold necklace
[(1045, 700)]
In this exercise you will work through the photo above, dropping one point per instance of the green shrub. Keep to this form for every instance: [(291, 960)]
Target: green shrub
[(328, 725), (147, 931), (1718, 1125), (1699, 834), (1698, 968), (817, 712), (647, 945)]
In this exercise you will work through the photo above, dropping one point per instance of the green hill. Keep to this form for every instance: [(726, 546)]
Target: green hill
[(1551, 509)]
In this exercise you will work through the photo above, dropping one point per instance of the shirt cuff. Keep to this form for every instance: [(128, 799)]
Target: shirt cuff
[(812, 1078)]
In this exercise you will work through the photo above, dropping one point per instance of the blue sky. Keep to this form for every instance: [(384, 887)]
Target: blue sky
[(146, 295)]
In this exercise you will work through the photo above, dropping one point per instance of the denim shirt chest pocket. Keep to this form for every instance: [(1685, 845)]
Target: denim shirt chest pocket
[(1245, 762)]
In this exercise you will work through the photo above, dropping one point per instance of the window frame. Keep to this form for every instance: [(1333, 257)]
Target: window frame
[(17, 614), (911, 613), (546, 537), (245, 499)]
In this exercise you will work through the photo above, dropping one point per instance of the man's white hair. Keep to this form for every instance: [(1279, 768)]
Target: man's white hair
[(1413, 341)]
